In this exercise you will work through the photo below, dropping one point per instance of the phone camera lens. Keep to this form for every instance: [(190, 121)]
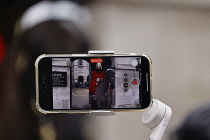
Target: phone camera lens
[(125, 80), (125, 74), (43, 86), (125, 90)]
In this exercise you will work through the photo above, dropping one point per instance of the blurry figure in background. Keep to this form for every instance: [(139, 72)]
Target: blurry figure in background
[(10, 11), (48, 27), (80, 82), (196, 126), (97, 75), (87, 82)]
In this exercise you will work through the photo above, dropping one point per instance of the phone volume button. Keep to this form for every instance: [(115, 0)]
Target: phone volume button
[(43, 86)]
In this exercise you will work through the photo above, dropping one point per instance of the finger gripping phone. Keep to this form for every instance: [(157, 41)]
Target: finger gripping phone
[(81, 83)]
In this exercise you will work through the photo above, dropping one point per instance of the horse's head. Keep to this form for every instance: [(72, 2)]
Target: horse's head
[(110, 73)]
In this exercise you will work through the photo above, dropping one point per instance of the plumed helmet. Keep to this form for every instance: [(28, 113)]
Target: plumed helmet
[(98, 65)]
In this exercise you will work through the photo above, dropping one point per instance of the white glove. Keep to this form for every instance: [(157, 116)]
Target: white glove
[(93, 96), (98, 79)]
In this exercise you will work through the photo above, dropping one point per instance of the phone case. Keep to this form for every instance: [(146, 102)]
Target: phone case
[(95, 112)]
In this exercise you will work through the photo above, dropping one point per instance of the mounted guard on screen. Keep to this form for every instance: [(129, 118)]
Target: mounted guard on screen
[(104, 89), (97, 75)]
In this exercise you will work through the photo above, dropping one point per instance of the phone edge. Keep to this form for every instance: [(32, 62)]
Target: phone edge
[(87, 111)]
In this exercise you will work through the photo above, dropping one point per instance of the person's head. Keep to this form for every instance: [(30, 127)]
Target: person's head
[(51, 27), (17, 76), (196, 126), (98, 66)]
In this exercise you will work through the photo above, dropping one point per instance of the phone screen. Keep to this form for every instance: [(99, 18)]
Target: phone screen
[(93, 82)]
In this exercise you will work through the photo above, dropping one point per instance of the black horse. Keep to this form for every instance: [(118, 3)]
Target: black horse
[(104, 88)]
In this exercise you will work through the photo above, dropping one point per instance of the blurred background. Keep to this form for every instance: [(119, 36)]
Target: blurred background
[(175, 34)]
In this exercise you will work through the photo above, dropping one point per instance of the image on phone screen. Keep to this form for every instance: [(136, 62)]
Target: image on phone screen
[(84, 83)]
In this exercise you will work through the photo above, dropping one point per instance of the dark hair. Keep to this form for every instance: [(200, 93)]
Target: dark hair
[(17, 78), (196, 126), (10, 11)]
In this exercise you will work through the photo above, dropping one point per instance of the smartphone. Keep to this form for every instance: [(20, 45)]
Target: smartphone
[(82, 83)]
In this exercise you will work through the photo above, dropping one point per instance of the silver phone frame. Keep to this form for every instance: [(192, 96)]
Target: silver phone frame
[(103, 112)]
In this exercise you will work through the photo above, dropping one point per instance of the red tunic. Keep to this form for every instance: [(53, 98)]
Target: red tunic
[(93, 83), (2, 49)]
